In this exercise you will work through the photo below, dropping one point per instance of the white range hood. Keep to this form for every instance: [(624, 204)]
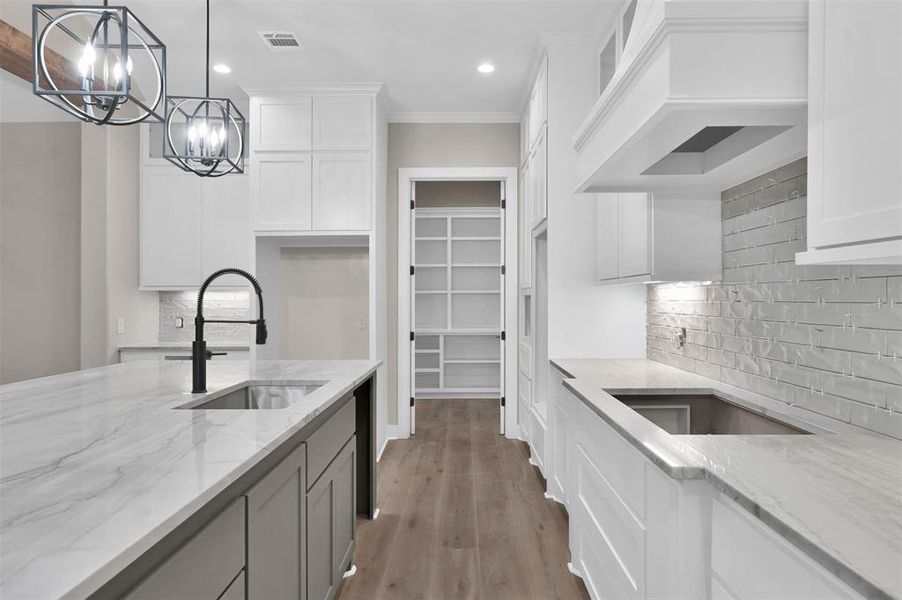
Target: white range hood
[(707, 94)]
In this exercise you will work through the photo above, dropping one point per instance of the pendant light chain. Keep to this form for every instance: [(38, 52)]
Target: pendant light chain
[(207, 71)]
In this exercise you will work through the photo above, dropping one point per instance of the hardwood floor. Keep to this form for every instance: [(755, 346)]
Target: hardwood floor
[(463, 516)]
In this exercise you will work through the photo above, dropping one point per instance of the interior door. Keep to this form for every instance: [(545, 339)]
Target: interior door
[(503, 337), (413, 305)]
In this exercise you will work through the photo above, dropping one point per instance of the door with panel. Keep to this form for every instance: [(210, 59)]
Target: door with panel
[(342, 191), (226, 236), (607, 237), (283, 192), (635, 222)]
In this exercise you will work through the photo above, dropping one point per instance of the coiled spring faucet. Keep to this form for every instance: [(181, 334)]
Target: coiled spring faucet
[(199, 353)]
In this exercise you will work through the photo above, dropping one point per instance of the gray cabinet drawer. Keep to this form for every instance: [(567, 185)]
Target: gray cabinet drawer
[(328, 440), (205, 566)]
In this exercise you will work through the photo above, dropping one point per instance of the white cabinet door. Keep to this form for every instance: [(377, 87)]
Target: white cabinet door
[(342, 191), (525, 229), (283, 192), (635, 217), (170, 228), (342, 123), (607, 237), (226, 235), (538, 103), (854, 121), (281, 124), (538, 186)]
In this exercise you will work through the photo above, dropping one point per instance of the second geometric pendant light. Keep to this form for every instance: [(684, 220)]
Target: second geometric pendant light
[(204, 135)]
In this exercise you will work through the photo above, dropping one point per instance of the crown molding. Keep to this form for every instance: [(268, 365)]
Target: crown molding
[(453, 117), (371, 88)]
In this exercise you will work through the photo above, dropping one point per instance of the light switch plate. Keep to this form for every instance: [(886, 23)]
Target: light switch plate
[(120, 326)]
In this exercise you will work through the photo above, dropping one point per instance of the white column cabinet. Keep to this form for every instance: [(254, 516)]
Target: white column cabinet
[(854, 132), (170, 228), (190, 227), (342, 191), (318, 176)]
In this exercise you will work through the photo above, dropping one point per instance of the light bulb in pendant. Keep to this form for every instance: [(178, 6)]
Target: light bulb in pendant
[(88, 56), (192, 134), (117, 69)]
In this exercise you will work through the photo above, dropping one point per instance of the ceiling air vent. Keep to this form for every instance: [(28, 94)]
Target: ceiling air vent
[(281, 41)]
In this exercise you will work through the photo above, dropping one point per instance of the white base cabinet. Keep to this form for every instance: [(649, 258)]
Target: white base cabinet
[(657, 237), (637, 533)]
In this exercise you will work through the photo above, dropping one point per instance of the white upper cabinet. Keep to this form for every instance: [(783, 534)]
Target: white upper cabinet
[(538, 103), (190, 227), (281, 123), (170, 225), (854, 133), (342, 122), (283, 188), (665, 237), (326, 183), (538, 183), (534, 145), (342, 191)]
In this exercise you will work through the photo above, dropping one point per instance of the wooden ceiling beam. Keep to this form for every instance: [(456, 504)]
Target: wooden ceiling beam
[(16, 58)]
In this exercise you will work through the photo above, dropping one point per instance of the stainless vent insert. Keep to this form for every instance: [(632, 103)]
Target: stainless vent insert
[(281, 41)]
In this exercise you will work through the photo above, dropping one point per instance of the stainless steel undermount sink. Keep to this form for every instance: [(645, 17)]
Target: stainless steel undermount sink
[(704, 414), (256, 397)]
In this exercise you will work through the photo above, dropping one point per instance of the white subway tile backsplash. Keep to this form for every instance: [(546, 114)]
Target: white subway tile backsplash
[(217, 304), (825, 338)]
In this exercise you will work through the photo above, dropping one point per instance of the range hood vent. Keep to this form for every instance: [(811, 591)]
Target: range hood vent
[(281, 41)]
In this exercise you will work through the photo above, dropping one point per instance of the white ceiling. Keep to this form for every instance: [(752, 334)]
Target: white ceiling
[(424, 51)]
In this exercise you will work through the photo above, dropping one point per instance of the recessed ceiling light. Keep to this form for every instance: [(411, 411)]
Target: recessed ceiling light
[(222, 68), (485, 68)]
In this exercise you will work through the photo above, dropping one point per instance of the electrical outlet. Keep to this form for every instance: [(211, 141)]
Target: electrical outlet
[(361, 324), (120, 325), (179, 323)]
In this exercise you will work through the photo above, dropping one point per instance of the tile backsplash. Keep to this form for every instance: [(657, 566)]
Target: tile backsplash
[(221, 305), (825, 338)]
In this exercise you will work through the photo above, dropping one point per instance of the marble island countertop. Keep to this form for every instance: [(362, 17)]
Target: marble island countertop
[(96, 467), (836, 495)]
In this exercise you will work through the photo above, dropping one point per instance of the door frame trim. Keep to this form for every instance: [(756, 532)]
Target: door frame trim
[(406, 177)]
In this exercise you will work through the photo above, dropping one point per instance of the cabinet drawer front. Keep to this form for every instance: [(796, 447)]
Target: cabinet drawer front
[(327, 441), (205, 566), (752, 561), (620, 530), (620, 464)]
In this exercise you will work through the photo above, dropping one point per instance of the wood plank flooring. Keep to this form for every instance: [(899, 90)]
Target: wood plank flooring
[(463, 516)]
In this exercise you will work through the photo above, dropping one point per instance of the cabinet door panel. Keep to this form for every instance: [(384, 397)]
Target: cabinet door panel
[(342, 192), (283, 123), (275, 531), (525, 230), (342, 123), (538, 188), (236, 590), (855, 122), (634, 234), (283, 192), (345, 510), (170, 228), (607, 237), (205, 566), (226, 231), (320, 544)]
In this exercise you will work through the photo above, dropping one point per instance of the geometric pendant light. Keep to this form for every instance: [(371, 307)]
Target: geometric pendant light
[(119, 77), (204, 135)]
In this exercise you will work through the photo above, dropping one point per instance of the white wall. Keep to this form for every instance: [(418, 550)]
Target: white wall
[(39, 249), (109, 247), (434, 145), (585, 320), (324, 303)]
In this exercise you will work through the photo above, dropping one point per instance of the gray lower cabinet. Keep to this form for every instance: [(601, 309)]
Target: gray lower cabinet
[(275, 531), (206, 567), (331, 523)]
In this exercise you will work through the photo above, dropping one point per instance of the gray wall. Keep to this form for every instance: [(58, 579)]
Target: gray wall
[(825, 338), (434, 145), (39, 249)]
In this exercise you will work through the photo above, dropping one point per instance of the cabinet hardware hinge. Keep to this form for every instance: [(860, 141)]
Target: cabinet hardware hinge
[(411, 400), (502, 336), (503, 203), (502, 269), (413, 204), (412, 269), (412, 336), (502, 401)]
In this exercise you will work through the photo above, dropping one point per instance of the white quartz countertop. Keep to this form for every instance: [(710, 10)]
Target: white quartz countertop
[(836, 495), (96, 467)]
